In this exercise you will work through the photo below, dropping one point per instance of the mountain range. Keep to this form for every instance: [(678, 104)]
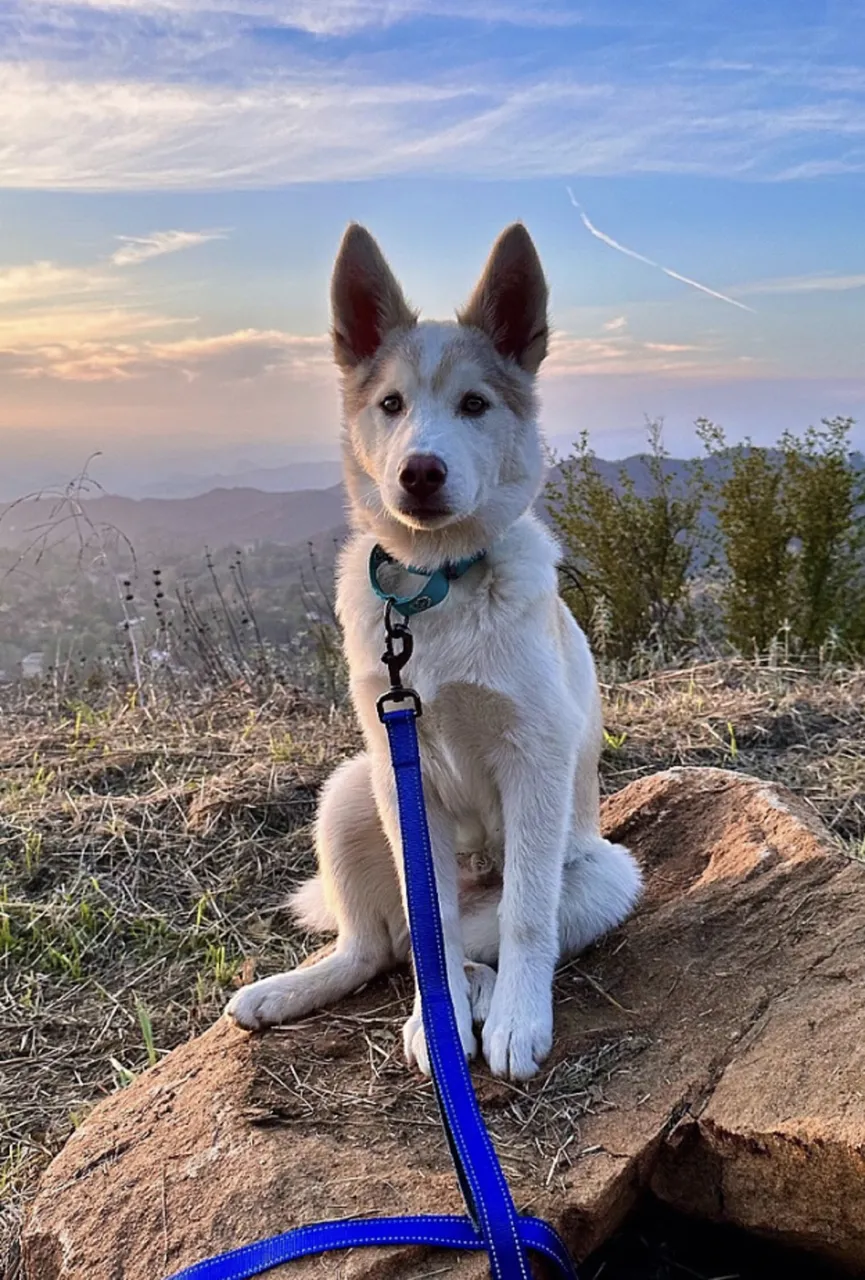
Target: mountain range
[(240, 516), (219, 518)]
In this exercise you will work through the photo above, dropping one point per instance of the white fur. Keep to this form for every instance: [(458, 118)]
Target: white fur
[(510, 735)]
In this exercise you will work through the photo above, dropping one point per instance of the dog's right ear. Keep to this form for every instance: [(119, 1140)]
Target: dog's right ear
[(366, 300)]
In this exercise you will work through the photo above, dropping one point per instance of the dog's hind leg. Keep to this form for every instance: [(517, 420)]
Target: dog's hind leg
[(356, 893), (600, 887), (601, 882)]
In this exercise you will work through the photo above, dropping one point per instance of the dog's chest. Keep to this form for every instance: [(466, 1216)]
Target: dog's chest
[(462, 732)]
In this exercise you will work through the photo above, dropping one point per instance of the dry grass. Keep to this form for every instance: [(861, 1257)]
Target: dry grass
[(803, 727), (146, 853)]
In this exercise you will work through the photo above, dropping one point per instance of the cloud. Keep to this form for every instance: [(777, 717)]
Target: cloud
[(137, 249), (119, 349), (615, 325), (671, 348), (121, 135), (803, 284), (58, 326), (120, 344), (345, 17), (244, 355), (251, 119), (33, 281), (622, 354), (50, 330)]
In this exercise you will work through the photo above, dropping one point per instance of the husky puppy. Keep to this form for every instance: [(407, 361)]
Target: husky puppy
[(443, 460)]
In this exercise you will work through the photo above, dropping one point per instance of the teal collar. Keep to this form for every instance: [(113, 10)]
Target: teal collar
[(430, 593)]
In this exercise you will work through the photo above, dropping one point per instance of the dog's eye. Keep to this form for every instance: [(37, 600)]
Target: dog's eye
[(473, 405), (392, 404)]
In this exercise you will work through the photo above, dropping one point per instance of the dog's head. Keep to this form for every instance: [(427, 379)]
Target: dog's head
[(441, 445)]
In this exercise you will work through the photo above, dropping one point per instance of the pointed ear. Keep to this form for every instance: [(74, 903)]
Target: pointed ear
[(510, 300), (366, 301)]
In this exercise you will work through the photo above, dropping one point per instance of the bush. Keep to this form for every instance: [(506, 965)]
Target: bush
[(824, 496), (790, 529), (753, 533), (632, 553)]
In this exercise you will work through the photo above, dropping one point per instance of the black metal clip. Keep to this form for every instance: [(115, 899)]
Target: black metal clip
[(399, 644)]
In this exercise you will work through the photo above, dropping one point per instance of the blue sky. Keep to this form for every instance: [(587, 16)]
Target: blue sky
[(174, 179)]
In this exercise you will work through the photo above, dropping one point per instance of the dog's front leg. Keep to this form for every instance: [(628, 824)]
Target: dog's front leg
[(442, 831), (536, 790)]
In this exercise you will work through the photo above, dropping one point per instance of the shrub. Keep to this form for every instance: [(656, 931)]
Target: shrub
[(753, 532), (632, 552), (791, 534)]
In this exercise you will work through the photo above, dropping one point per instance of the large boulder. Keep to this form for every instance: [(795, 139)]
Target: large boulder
[(713, 1050)]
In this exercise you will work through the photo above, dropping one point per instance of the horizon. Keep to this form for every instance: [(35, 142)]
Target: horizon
[(181, 172)]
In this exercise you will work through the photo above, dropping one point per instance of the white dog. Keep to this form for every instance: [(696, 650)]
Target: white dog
[(443, 460)]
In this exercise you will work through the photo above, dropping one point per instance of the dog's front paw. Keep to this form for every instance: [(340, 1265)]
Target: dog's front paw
[(414, 1038), (517, 1038), (271, 1001)]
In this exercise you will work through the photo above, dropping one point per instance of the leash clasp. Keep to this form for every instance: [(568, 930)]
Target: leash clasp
[(399, 645)]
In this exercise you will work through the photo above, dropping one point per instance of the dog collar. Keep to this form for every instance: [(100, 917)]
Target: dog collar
[(430, 593)]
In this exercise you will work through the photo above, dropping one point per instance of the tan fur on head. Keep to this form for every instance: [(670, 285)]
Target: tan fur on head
[(366, 300), (509, 303)]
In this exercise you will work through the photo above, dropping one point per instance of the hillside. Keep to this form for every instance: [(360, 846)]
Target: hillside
[(226, 517), (71, 574), (222, 517), (286, 479), (146, 854), (242, 516)]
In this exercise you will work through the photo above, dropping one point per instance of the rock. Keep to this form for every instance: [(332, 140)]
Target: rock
[(713, 1050)]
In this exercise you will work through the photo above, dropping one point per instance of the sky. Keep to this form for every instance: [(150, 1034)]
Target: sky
[(175, 176)]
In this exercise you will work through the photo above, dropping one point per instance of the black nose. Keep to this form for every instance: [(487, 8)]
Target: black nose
[(422, 475)]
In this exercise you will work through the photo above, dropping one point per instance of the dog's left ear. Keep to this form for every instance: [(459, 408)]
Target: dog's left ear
[(510, 300)]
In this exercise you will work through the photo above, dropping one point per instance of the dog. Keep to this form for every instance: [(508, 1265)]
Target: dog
[(443, 460)]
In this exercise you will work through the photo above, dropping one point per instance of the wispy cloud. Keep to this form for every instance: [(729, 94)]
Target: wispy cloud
[(72, 134), (346, 17), (138, 249), (255, 120), (649, 262), (29, 282), (616, 325), (88, 324), (803, 284), (670, 348), (621, 354), (54, 326), (120, 344)]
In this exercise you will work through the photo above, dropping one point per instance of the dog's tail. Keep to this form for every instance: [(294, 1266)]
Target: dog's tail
[(311, 909)]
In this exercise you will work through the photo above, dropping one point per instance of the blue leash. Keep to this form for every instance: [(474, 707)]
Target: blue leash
[(493, 1223)]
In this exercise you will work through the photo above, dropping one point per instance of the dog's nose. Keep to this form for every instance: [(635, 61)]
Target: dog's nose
[(422, 475)]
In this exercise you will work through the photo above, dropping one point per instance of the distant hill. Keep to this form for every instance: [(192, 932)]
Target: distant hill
[(291, 478), (245, 517), (219, 518), (222, 517)]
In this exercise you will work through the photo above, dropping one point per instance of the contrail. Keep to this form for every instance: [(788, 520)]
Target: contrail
[(640, 257)]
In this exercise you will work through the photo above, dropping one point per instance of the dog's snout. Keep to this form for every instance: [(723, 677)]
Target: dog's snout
[(422, 475)]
